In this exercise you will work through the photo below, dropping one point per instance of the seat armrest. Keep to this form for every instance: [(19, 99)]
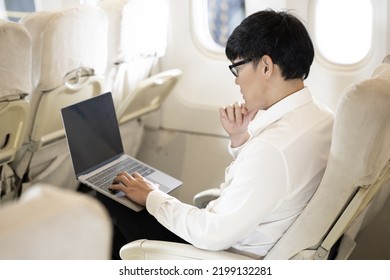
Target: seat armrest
[(144, 249), (203, 198)]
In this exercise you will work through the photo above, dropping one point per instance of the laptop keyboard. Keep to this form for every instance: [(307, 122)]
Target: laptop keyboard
[(104, 179)]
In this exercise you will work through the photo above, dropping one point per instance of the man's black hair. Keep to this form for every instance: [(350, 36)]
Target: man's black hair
[(278, 34)]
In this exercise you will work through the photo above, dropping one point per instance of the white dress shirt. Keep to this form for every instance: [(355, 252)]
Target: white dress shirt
[(272, 177)]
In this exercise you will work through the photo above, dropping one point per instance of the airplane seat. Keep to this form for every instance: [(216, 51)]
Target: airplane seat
[(356, 176), (53, 223), (137, 38), (131, 53), (15, 85), (69, 60), (147, 97)]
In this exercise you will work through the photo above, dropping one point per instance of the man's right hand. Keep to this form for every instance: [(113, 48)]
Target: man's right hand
[(235, 120)]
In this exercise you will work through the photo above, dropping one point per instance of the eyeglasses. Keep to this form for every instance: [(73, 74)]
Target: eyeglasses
[(234, 67)]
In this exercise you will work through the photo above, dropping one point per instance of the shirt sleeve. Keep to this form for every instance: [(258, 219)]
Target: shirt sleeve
[(259, 185), (234, 152)]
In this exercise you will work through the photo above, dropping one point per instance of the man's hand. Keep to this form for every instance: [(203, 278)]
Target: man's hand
[(235, 120), (136, 187)]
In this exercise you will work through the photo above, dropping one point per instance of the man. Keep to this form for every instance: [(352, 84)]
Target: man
[(280, 141)]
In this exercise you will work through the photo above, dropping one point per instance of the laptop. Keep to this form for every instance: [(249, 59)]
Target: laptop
[(96, 150)]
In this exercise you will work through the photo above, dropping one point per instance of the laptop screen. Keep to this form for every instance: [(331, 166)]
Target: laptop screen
[(92, 132)]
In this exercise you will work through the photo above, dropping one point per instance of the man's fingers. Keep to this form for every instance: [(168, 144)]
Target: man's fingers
[(237, 113), (136, 175), (230, 113), (117, 187), (222, 112)]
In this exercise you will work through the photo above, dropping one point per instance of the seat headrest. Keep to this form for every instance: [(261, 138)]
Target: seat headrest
[(64, 40), (15, 60)]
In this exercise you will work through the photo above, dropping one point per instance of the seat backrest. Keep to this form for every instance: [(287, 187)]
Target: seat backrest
[(137, 38), (148, 95), (357, 169), (15, 85), (69, 60), (48, 222)]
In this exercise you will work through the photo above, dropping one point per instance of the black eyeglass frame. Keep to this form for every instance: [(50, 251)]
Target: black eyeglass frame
[(241, 62)]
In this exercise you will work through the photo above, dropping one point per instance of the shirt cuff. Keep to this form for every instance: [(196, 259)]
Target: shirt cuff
[(235, 151), (154, 201)]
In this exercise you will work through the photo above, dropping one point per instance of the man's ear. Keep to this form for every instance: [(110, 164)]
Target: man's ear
[(267, 64)]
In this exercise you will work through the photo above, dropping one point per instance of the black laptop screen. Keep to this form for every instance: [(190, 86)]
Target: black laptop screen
[(92, 132)]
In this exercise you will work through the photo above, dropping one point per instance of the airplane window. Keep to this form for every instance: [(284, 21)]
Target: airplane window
[(16, 9), (223, 17), (343, 30), (213, 21)]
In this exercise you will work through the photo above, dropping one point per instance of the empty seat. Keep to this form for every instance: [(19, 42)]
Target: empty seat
[(15, 85), (137, 38), (69, 59)]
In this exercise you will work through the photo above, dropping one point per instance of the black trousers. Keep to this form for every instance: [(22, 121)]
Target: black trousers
[(130, 225)]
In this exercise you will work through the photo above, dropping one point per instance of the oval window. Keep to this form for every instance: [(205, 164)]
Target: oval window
[(343, 30), (213, 21), (223, 17)]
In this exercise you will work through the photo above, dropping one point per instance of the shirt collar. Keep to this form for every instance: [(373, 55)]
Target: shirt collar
[(266, 117)]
